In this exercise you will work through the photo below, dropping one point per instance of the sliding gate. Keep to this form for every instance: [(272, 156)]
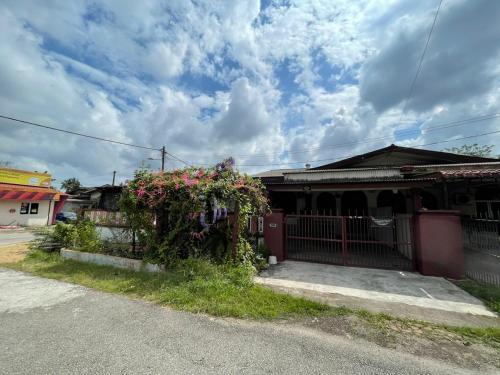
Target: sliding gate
[(360, 241)]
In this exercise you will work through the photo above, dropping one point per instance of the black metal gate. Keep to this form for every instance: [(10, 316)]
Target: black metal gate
[(481, 239), (359, 241)]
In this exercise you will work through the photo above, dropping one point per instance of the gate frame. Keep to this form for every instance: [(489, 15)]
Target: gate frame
[(412, 220)]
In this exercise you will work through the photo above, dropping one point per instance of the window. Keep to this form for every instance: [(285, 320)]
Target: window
[(31, 208), (24, 208), (34, 209)]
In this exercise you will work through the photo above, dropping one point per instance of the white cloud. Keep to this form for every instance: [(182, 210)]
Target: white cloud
[(202, 79)]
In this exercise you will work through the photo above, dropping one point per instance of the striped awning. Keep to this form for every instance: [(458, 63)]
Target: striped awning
[(28, 193)]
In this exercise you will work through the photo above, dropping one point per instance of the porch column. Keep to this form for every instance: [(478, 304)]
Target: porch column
[(338, 203), (446, 199), (439, 248)]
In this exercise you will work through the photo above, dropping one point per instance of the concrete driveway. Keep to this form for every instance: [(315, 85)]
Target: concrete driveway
[(382, 290), (51, 327), (9, 237)]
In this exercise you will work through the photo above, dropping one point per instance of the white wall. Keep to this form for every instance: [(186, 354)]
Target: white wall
[(8, 218)]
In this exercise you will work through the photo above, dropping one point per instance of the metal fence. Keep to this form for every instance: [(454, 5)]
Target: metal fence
[(481, 239), (361, 241), (106, 218)]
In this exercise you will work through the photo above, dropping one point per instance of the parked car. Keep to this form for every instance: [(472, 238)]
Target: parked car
[(66, 217)]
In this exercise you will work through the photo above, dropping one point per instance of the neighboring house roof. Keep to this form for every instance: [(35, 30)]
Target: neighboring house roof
[(84, 192), (106, 188)]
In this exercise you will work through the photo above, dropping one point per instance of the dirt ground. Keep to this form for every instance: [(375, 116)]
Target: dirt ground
[(413, 339), (13, 253)]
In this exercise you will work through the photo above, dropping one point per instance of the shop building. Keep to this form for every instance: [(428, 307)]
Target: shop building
[(27, 198)]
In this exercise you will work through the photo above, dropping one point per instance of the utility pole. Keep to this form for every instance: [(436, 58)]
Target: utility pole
[(163, 152), (114, 174)]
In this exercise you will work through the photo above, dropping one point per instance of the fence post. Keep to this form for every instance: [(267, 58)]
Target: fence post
[(274, 235), (439, 244)]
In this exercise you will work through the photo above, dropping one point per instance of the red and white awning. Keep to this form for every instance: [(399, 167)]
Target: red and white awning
[(28, 193)]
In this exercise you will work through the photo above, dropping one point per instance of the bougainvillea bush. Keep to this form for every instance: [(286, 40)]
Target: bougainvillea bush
[(193, 212)]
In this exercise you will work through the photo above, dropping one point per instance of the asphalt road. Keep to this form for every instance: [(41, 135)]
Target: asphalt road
[(13, 237), (50, 327)]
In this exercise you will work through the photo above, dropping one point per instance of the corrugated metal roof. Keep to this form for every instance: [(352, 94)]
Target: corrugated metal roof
[(422, 179), (343, 174), (277, 172)]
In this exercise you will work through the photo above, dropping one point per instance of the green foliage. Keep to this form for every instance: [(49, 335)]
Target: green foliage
[(80, 236), (195, 285), (472, 150), (172, 212), (490, 294), (261, 256), (70, 185)]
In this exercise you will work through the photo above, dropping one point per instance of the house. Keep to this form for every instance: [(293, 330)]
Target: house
[(391, 180), (27, 198), (103, 197), (99, 204), (386, 209)]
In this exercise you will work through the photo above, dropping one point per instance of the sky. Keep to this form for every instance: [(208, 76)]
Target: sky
[(275, 84)]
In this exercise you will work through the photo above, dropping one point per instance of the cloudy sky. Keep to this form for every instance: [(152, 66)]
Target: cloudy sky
[(272, 83)]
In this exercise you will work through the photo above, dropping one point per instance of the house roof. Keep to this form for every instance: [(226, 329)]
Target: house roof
[(106, 187), (390, 164), (277, 172), (353, 174), (433, 157)]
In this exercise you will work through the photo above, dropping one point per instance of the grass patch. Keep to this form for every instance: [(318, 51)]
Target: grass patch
[(490, 294), (193, 285), (202, 287)]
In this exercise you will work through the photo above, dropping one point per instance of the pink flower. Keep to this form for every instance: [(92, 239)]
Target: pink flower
[(200, 173), (190, 182), (177, 186), (141, 191), (192, 215)]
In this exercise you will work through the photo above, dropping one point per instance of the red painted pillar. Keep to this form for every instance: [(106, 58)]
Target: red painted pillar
[(417, 200), (59, 206), (274, 234), (439, 248)]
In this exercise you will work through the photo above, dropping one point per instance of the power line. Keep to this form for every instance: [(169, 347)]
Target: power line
[(439, 126), (90, 136), (349, 156), (76, 133), (419, 68), (178, 159)]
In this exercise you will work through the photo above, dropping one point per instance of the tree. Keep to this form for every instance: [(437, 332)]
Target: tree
[(185, 212), (70, 185), (472, 150)]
